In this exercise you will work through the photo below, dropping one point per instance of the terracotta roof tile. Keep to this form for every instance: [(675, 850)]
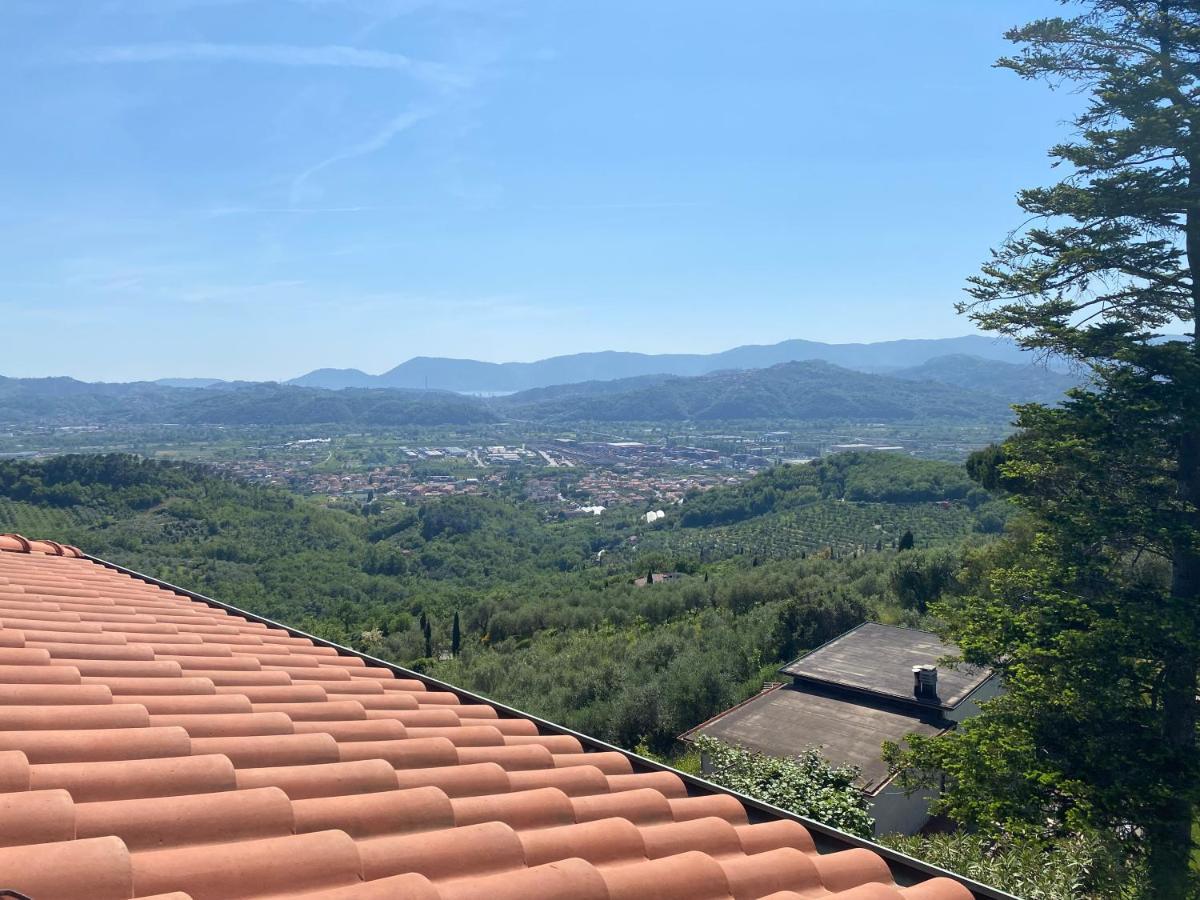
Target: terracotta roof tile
[(155, 746)]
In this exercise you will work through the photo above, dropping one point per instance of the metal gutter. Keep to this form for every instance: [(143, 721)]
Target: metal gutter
[(906, 870)]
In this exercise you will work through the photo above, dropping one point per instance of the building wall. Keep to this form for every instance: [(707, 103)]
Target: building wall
[(895, 813)]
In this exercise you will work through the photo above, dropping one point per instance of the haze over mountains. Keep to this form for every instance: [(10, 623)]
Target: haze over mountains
[(891, 382), (953, 389), (472, 376), (809, 391)]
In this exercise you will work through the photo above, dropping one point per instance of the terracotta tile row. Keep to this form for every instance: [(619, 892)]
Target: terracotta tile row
[(153, 746)]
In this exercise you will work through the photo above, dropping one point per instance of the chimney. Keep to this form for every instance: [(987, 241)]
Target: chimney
[(925, 682)]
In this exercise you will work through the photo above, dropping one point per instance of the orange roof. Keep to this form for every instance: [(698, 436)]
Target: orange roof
[(155, 745)]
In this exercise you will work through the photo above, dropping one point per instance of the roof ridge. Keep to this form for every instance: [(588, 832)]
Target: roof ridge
[(15, 543)]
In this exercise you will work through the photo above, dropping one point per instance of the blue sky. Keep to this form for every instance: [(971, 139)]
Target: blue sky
[(255, 188)]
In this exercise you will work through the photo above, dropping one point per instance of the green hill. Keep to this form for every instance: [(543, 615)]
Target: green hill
[(843, 504), (799, 391), (548, 622), (1015, 383)]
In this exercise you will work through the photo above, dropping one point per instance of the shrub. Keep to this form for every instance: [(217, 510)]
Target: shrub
[(806, 784)]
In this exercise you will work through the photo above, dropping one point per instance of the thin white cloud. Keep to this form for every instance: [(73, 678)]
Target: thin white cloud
[(282, 290), (372, 144), (224, 211), (329, 56)]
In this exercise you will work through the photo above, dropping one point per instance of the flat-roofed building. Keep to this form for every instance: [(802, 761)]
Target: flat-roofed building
[(874, 683)]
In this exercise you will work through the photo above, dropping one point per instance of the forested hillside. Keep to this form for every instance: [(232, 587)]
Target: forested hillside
[(874, 478), (547, 621), (1017, 383), (802, 391), (810, 391)]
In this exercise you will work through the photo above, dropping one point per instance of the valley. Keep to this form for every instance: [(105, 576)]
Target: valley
[(759, 570)]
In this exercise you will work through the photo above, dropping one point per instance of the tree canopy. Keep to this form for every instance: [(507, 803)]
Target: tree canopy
[(1092, 612)]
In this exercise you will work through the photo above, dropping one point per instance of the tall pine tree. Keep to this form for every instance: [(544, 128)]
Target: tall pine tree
[(1095, 622)]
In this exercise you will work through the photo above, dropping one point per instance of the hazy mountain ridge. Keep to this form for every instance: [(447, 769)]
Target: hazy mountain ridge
[(468, 375), (951, 388), (189, 382), (796, 391), (65, 401), (335, 379), (1018, 383)]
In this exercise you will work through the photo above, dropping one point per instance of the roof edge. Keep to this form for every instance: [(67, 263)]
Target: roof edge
[(813, 679), (906, 870), (690, 735)]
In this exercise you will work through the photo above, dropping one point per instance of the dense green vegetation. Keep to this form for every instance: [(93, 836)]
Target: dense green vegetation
[(1090, 608), (885, 478), (546, 621), (1012, 381), (840, 505), (826, 527), (805, 783), (1029, 864)]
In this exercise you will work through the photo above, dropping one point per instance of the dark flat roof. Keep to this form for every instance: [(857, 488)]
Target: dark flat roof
[(878, 659), (786, 720)]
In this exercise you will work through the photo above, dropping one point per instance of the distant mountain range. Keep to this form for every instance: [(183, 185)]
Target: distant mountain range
[(472, 376), (65, 401), (190, 382), (955, 388), (1012, 382), (810, 391)]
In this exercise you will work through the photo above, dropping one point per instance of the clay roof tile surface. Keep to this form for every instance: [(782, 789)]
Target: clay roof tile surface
[(154, 745)]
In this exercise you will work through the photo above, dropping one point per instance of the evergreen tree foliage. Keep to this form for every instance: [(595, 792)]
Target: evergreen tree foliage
[(1093, 615)]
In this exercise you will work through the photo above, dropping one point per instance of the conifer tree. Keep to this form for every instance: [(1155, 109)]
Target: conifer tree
[(455, 635), (1095, 620)]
